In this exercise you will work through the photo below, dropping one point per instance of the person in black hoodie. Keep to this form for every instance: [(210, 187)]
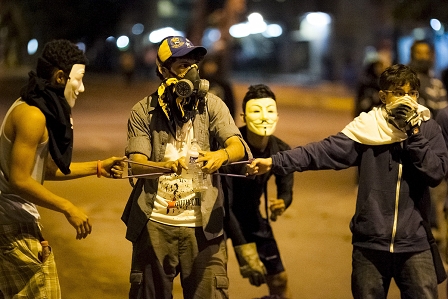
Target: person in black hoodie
[(400, 152), (251, 232), (36, 142)]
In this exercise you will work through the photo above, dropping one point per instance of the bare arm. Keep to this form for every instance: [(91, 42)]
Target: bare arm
[(28, 130), (143, 165), (234, 151), (110, 168)]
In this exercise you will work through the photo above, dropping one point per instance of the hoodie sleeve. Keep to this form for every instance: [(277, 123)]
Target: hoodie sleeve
[(334, 152), (428, 152)]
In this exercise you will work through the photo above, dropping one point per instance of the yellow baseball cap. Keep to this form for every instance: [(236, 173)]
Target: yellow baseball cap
[(177, 46)]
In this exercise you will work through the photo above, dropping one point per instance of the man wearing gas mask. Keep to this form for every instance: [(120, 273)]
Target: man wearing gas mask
[(251, 233), (400, 152), (176, 229)]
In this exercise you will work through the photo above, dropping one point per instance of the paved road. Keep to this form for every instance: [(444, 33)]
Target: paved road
[(313, 234)]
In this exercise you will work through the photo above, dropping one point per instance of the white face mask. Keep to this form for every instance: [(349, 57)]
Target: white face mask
[(74, 84), (261, 116)]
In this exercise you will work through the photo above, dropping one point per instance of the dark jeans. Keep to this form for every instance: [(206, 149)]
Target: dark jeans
[(163, 251), (373, 270)]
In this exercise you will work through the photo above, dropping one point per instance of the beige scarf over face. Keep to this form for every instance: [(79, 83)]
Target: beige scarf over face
[(372, 128)]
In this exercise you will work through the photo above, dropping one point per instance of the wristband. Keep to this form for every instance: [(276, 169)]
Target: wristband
[(98, 168), (228, 157)]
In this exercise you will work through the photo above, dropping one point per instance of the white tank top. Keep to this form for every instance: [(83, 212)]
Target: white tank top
[(13, 208)]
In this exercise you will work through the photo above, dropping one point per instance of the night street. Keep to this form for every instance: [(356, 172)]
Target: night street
[(313, 234)]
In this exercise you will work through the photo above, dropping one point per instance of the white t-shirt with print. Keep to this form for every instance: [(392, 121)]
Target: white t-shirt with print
[(176, 203)]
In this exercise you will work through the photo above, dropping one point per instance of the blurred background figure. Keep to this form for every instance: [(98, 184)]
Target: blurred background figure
[(368, 87), (432, 92), (433, 96), (442, 120), (127, 66), (210, 69)]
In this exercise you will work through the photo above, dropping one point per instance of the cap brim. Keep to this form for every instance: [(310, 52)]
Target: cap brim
[(201, 50)]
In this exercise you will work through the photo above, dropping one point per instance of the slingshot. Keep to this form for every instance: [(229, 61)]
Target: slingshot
[(168, 170)]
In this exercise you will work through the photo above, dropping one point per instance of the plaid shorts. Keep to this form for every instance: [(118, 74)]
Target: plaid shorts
[(22, 274)]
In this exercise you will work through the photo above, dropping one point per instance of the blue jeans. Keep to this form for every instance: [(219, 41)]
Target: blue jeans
[(164, 251), (373, 270)]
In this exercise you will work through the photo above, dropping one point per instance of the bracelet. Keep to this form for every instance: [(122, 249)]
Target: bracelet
[(228, 157), (98, 168)]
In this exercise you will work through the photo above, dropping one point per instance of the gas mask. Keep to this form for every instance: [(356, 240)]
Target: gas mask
[(190, 84)]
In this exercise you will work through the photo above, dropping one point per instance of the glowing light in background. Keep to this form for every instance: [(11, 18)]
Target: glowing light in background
[(157, 35), (122, 42), (137, 29), (435, 24), (81, 46), (211, 36), (239, 30), (315, 26), (110, 39), (32, 46), (166, 9), (273, 30), (318, 19), (419, 33), (255, 25)]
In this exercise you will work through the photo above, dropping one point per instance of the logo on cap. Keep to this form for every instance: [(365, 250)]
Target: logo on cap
[(175, 43)]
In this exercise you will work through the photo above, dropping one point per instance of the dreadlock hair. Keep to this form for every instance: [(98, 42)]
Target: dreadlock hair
[(258, 91), (59, 55)]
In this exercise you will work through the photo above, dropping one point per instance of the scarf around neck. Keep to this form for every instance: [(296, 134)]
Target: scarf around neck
[(372, 128), (51, 101)]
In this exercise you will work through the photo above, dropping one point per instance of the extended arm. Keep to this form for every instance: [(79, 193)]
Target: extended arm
[(334, 152), (144, 166), (110, 168)]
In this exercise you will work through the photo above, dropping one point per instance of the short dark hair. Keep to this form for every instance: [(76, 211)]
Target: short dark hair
[(399, 75), (420, 42), (59, 55), (258, 91)]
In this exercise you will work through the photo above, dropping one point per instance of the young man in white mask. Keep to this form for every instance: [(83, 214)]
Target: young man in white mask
[(173, 228), (400, 152), (36, 141), (252, 236)]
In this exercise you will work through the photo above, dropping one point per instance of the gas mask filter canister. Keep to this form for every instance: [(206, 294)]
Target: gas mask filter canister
[(190, 84)]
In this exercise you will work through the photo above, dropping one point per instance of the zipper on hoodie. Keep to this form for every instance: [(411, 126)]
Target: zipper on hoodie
[(397, 200)]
